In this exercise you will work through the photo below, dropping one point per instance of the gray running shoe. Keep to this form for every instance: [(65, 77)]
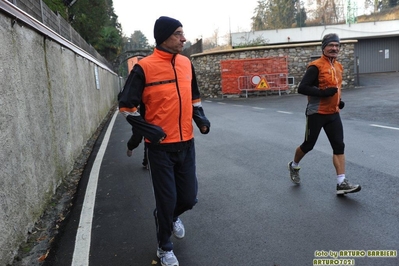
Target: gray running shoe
[(294, 173), (167, 258), (346, 187), (178, 229)]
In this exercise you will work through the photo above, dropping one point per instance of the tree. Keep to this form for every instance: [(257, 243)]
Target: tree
[(97, 23), (300, 16), (215, 37), (259, 19), (281, 14), (274, 14), (90, 18), (58, 6), (187, 45), (393, 3), (208, 44), (109, 43), (137, 41), (386, 4), (329, 12), (112, 17)]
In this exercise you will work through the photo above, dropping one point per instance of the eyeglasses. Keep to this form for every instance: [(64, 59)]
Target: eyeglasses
[(330, 45), (178, 34)]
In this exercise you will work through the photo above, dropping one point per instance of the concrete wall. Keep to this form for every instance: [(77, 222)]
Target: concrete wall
[(208, 70), (50, 106)]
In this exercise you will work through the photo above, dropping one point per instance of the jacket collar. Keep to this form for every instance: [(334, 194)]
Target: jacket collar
[(163, 53), (330, 59)]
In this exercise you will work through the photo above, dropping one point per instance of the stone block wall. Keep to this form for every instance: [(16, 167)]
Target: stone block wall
[(208, 70)]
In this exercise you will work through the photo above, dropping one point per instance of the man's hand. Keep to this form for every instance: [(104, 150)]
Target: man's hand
[(341, 104), (161, 139), (204, 129), (328, 92)]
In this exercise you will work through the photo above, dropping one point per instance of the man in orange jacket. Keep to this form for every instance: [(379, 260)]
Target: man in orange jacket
[(322, 84), (165, 85)]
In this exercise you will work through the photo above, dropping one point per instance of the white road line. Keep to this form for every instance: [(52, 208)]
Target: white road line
[(284, 112), (394, 128), (83, 235), (238, 105), (221, 103), (258, 108)]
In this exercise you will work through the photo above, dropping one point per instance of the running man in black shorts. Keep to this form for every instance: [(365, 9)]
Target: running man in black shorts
[(322, 84)]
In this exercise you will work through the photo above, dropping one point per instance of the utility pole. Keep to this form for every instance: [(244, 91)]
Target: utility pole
[(351, 12)]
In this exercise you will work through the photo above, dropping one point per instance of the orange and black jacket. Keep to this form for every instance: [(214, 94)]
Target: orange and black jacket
[(322, 73), (164, 85)]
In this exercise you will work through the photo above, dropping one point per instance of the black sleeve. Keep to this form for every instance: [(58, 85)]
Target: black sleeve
[(194, 85), (133, 88), (198, 113), (141, 128), (310, 82), (134, 141), (200, 119)]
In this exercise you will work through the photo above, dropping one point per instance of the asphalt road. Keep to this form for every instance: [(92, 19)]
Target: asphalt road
[(249, 212)]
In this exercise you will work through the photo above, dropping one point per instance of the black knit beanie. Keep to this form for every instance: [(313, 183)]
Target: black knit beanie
[(164, 27), (331, 37)]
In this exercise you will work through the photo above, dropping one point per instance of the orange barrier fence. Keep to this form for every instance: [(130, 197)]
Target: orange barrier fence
[(264, 82), (240, 75)]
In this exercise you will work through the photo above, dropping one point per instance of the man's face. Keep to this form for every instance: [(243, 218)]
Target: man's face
[(175, 42), (332, 49)]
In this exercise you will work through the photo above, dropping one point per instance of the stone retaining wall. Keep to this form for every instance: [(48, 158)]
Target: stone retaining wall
[(207, 65)]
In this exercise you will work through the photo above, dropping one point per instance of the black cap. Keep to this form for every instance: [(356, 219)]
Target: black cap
[(331, 37), (164, 27)]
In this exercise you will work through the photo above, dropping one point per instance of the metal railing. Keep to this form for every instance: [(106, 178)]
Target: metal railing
[(268, 83), (41, 12)]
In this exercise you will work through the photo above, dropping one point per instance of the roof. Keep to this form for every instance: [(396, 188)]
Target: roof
[(364, 30)]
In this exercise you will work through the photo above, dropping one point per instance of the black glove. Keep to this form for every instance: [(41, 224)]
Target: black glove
[(200, 119), (341, 104), (151, 132), (328, 92), (134, 141)]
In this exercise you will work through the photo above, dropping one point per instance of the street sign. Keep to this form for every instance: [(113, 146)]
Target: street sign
[(263, 85)]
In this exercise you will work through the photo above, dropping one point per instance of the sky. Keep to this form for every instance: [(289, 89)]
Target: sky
[(199, 21)]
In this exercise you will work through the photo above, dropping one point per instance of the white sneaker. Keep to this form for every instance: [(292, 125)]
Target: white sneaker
[(167, 258), (294, 173), (178, 229), (347, 187)]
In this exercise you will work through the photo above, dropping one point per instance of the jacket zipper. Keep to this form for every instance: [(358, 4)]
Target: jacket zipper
[(178, 93)]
